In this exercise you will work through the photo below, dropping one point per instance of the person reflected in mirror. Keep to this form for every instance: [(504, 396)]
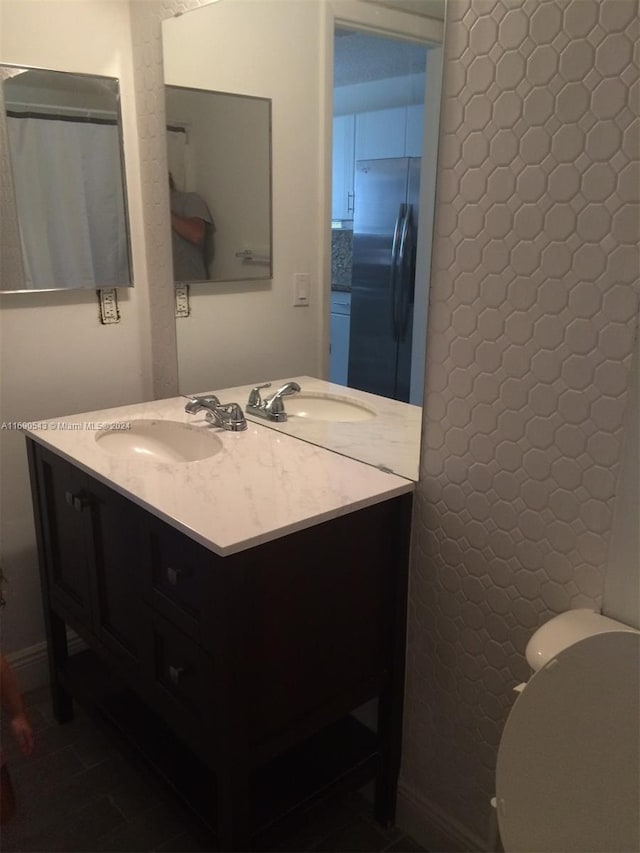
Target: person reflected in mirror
[(191, 230)]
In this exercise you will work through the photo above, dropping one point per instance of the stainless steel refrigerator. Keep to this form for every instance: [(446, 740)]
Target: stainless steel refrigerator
[(383, 275)]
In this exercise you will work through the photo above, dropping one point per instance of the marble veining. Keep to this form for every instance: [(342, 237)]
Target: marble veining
[(390, 441), (260, 486)]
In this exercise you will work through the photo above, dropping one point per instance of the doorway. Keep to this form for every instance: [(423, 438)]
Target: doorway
[(381, 119)]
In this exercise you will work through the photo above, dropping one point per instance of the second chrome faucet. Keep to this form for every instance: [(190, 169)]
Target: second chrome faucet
[(272, 408), (226, 415)]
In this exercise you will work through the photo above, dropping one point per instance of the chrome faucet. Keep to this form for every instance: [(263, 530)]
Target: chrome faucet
[(225, 415), (272, 408)]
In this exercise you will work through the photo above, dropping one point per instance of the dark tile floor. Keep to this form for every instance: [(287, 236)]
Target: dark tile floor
[(78, 793)]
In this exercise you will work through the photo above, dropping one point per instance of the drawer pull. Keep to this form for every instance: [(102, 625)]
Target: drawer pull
[(175, 674), (77, 502), (173, 575)]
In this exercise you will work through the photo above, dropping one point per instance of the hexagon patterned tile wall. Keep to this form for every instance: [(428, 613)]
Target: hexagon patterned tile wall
[(534, 301)]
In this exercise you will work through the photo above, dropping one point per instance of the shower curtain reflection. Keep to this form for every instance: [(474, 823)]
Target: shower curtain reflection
[(71, 213)]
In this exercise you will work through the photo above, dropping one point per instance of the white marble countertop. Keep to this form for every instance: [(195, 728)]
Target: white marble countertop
[(262, 484), (389, 441)]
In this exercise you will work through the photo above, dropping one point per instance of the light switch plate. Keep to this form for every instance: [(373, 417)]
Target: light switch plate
[(301, 289)]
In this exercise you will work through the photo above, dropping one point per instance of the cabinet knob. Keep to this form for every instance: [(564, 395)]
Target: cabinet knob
[(175, 674), (77, 502), (173, 575)]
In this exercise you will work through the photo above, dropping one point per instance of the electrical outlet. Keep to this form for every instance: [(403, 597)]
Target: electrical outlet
[(108, 301), (301, 289), (183, 309)]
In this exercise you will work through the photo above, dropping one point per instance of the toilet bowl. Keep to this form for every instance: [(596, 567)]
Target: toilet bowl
[(568, 770)]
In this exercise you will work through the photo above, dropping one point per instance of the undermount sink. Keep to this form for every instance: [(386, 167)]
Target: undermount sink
[(327, 407), (160, 441)]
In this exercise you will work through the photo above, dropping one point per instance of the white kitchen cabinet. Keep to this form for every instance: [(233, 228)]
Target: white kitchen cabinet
[(381, 133), (370, 135), (343, 167)]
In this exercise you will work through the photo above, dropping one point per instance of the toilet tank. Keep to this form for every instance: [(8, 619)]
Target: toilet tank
[(566, 629)]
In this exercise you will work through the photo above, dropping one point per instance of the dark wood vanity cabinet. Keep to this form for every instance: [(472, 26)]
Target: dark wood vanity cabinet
[(235, 676)]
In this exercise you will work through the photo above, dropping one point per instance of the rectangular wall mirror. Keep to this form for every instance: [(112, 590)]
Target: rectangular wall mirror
[(355, 93), (219, 155), (64, 213)]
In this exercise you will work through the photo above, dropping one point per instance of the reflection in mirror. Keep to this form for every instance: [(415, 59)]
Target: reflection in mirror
[(379, 96), (377, 430), (63, 202), (219, 155), (384, 88)]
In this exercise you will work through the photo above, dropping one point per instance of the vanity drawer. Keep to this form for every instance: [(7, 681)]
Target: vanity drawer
[(181, 579), (182, 681)]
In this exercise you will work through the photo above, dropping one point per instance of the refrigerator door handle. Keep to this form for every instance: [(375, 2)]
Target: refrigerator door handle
[(395, 269), (406, 271)]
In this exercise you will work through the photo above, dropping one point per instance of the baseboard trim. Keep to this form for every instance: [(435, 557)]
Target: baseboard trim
[(31, 666), (432, 828)]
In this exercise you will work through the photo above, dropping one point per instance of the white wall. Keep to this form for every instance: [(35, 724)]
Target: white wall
[(55, 356)]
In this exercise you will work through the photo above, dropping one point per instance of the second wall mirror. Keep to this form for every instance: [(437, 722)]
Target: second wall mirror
[(64, 214), (219, 155)]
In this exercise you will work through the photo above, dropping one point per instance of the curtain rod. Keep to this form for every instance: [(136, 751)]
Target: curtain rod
[(59, 117)]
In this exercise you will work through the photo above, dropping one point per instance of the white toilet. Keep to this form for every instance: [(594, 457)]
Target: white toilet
[(568, 770)]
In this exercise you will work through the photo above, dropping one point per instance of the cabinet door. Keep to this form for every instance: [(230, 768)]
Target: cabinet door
[(119, 558), (343, 162), (63, 504), (381, 134)]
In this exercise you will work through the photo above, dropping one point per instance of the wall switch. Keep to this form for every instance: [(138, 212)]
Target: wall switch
[(301, 288), (108, 302)]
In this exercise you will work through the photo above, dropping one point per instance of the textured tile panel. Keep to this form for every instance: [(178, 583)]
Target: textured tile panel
[(146, 18), (533, 308)]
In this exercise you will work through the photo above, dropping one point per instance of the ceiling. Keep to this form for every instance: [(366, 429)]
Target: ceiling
[(424, 8), (361, 57)]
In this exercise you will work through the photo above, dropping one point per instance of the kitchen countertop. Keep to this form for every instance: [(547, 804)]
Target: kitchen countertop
[(389, 441), (262, 485)]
